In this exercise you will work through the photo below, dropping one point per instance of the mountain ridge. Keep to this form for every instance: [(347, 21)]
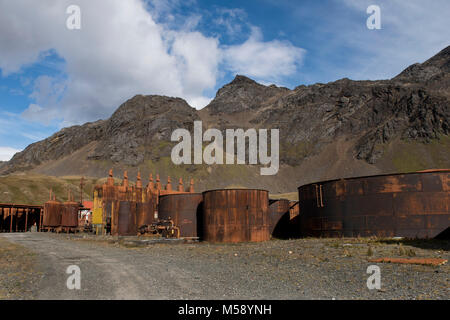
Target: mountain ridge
[(349, 127)]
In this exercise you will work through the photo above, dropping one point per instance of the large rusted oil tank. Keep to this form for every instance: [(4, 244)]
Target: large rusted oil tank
[(109, 202), (145, 209), (126, 218), (413, 205), (123, 220), (184, 209), (69, 218), (150, 208), (52, 214), (279, 218), (236, 215)]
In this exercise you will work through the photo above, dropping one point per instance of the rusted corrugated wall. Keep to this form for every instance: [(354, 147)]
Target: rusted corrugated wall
[(237, 215), (69, 217), (145, 204), (52, 214), (123, 221), (413, 205), (184, 209)]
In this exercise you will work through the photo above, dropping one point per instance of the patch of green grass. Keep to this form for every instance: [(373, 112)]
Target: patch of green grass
[(410, 156), (295, 152), (35, 189)]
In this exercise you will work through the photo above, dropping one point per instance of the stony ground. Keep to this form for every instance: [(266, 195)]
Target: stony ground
[(18, 271), (33, 266)]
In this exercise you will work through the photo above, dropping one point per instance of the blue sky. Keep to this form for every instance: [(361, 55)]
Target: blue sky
[(52, 77)]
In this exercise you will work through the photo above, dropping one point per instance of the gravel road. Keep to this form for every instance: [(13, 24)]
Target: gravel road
[(277, 269)]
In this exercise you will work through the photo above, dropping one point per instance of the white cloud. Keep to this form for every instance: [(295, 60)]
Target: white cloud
[(6, 153), (16, 132), (263, 60), (121, 51), (231, 19), (198, 58), (33, 113), (412, 31)]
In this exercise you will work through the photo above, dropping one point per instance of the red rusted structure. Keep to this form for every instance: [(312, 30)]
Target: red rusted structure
[(19, 217), (184, 209), (236, 215), (123, 220), (124, 208), (412, 205)]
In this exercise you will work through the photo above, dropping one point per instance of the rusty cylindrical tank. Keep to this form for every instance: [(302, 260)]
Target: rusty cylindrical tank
[(123, 221), (236, 215), (413, 205), (145, 209), (109, 201), (279, 218), (52, 214), (184, 209), (69, 216)]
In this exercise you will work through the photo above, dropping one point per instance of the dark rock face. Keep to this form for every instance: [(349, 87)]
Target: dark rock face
[(58, 145), (412, 106), (139, 124), (241, 95), (437, 66), (126, 137)]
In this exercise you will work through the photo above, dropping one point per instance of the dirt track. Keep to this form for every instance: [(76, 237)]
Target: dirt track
[(291, 269)]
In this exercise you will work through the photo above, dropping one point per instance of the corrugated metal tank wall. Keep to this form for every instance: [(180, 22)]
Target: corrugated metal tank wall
[(52, 214), (413, 205), (69, 217), (237, 215), (184, 209)]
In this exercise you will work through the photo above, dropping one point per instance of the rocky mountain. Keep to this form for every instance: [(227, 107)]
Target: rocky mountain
[(339, 129)]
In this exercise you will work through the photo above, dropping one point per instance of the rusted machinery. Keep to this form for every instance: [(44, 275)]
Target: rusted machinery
[(18, 217), (122, 209), (161, 227), (236, 215), (184, 209), (413, 205)]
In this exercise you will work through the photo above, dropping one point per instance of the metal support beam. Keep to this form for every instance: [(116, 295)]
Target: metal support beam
[(11, 218), (26, 220)]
